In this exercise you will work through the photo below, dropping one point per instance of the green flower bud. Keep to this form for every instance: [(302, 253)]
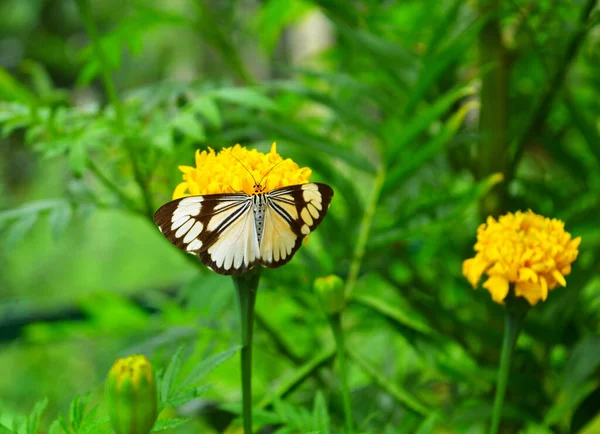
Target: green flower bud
[(330, 291), (131, 395)]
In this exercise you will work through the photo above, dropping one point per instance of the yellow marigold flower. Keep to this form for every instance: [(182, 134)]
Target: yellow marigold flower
[(528, 250), (224, 172)]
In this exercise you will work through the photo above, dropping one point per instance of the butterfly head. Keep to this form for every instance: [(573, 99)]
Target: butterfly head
[(258, 188)]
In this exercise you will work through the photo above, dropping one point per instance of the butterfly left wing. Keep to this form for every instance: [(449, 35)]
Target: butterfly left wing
[(291, 214), (219, 228)]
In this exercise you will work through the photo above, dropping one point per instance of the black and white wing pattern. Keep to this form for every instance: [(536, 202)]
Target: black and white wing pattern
[(231, 233), (291, 214), (219, 228)]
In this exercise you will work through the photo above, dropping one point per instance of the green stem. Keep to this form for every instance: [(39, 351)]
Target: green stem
[(111, 91), (299, 376), (246, 286), (113, 187), (338, 334), (516, 310), (363, 235), (493, 118)]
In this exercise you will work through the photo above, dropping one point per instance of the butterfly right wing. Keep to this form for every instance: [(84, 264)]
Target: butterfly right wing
[(219, 228)]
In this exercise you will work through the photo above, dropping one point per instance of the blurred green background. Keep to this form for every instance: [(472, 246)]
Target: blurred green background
[(406, 108)]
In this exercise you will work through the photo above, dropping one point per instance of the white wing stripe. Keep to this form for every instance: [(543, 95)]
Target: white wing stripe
[(194, 245), (222, 219), (177, 223), (183, 229), (306, 217), (283, 213), (237, 243), (193, 232)]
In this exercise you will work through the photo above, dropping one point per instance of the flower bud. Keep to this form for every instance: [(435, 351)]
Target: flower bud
[(131, 395), (330, 291)]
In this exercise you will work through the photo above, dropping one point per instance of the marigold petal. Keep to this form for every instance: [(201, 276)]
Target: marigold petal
[(185, 169), (180, 190), (574, 243), (193, 187), (498, 288), (544, 287), (559, 278), (473, 269), (527, 274), (532, 292)]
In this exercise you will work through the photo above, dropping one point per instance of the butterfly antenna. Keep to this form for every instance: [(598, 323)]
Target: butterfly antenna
[(244, 166), (269, 171)]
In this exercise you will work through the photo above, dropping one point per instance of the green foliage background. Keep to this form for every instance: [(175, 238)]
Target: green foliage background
[(409, 110)]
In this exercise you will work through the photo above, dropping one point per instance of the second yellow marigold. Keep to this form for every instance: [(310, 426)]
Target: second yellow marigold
[(526, 249)]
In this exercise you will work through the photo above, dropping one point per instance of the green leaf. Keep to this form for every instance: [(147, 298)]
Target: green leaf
[(64, 424), (78, 158), (408, 133), (463, 201), (394, 390), (321, 422), (88, 73), (275, 16), (10, 111), (42, 83), (55, 427), (383, 307), (60, 218), (19, 230), (585, 126), (33, 419), (208, 108), (77, 410), (244, 96), (586, 411), (206, 366), (91, 424), (189, 124), (170, 375), (12, 90), (429, 425), (415, 160), (300, 374), (165, 424), (185, 396), (584, 361), (312, 142), (294, 416), (6, 430), (437, 66)]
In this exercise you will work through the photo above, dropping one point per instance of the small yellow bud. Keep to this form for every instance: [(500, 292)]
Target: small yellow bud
[(330, 290), (131, 395)]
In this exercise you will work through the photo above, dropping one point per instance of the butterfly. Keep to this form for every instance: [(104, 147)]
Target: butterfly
[(233, 232)]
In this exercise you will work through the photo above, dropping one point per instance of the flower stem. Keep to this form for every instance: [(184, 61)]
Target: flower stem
[(338, 333), (246, 286), (515, 316), (363, 234)]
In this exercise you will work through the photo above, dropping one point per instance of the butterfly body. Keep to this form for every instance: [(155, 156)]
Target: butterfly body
[(233, 232)]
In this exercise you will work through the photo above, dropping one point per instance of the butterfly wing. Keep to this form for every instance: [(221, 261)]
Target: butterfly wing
[(219, 228), (291, 214)]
